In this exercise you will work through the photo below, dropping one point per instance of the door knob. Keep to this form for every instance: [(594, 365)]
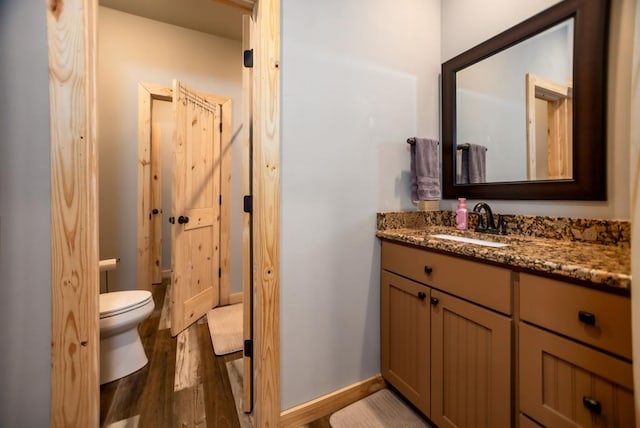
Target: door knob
[(422, 295), (428, 270), (172, 220), (435, 301), (183, 219)]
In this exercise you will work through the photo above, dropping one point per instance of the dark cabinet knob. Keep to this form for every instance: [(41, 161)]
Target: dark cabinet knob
[(435, 301), (154, 211), (183, 219), (592, 404), (172, 220), (422, 295), (587, 318), (428, 270)]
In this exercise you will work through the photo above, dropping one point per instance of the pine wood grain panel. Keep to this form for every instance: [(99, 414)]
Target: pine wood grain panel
[(156, 203), (225, 207), (147, 93), (143, 202), (471, 365), (196, 189), (266, 193), (71, 37), (556, 374), (405, 338), (247, 160)]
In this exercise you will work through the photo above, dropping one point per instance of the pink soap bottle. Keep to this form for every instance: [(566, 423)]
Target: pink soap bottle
[(461, 214)]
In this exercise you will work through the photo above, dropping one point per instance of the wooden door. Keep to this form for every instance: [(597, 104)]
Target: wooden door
[(471, 364), (405, 335), (247, 220), (196, 200)]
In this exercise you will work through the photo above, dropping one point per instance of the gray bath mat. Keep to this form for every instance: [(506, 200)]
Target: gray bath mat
[(380, 410)]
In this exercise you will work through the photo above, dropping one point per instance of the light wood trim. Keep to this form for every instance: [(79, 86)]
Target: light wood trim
[(147, 92), (225, 208), (71, 38), (266, 205), (560, 133), (235, 298), (530, 108), (247, 307), (155, 259), (330, 403)]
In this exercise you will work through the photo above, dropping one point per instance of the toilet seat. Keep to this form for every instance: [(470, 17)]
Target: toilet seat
[(119, 302)]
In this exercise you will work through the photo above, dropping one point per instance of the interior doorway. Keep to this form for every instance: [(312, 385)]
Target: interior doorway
[(72, 60)]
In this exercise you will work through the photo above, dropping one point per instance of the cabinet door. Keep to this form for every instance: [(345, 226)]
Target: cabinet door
[(565, 384), (405, 331), (471, 364)]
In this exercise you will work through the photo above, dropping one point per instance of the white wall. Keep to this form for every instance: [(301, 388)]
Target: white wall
[(25, 216), (131, 50), (358, 78), (498, 15)]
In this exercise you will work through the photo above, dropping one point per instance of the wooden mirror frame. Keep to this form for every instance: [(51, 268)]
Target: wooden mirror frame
[(589, 115)]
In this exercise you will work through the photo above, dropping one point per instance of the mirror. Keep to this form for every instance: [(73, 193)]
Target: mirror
[(523, 114)]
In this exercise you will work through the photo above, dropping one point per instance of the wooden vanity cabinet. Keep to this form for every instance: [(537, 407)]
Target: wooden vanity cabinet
[(448, 355), (573, 349), (405, 338), (470, 364)]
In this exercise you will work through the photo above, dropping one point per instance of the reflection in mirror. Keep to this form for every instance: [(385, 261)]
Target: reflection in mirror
[(515, 109), (555, 151)]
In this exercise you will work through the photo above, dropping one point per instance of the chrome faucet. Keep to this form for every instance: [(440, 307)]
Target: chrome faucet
[(491, 225)]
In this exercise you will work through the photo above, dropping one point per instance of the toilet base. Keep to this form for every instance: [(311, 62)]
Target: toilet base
[(121, 355)]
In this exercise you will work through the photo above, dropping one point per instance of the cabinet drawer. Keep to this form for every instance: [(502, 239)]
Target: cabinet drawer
[(566, 384), (483, 284), (570, 309)]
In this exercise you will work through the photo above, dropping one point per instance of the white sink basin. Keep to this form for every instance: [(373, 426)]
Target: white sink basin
[(471, 241)]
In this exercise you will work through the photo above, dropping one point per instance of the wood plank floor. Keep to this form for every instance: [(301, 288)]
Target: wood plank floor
[(184, 385), (197, 394)]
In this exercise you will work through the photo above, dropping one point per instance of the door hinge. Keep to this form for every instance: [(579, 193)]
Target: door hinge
[(220, 127), (247, 203), (248, 348), (219, 272), (220, 200), (248, 58)]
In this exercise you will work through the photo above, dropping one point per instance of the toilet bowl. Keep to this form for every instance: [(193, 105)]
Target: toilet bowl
[(121, 351)]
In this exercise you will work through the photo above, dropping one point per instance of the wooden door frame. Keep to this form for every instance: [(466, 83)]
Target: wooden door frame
[(147, 93), (75, 393)]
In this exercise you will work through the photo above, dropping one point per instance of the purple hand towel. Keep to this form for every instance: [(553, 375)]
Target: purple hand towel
[(473, 168), (425, 170)]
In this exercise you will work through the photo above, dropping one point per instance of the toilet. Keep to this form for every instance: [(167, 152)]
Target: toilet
[(121, 351)]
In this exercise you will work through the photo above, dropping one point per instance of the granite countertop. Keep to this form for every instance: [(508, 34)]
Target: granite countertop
[(607, 266)]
